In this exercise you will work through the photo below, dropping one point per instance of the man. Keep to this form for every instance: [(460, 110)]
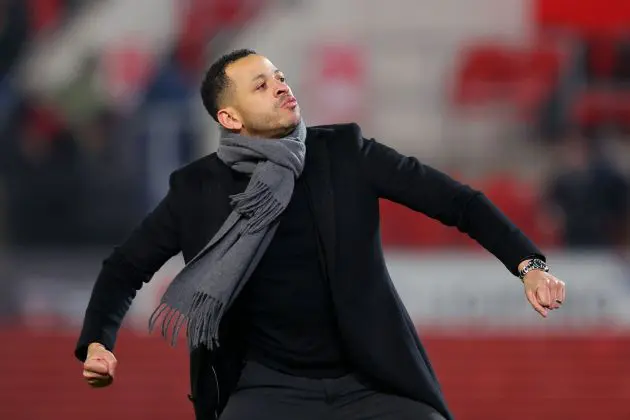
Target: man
[(288, 307), (589, 195)]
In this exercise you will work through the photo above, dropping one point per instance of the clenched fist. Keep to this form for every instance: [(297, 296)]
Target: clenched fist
[(543, 291), (99, 366)]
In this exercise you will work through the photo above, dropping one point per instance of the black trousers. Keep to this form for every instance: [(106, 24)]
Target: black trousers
[(265, 394)]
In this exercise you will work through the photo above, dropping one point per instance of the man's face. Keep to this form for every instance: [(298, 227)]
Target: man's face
[(258, 102)]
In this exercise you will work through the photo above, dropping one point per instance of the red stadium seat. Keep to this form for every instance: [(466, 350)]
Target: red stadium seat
[(203, 19), (602, 54), (485, 71), (496, 73), (45, 14), (597, 107)]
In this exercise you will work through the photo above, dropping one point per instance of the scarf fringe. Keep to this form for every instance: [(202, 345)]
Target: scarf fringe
[(202, 321), (259, 205)]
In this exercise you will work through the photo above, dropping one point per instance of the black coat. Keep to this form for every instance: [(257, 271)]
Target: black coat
[(346, 175)]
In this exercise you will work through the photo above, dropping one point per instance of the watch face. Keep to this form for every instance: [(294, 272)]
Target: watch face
[(538, 264)]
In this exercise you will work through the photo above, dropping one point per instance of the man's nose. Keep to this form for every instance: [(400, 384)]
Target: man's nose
[(281, 89)]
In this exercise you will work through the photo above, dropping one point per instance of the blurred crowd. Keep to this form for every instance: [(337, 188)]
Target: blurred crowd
[(48, 166), (73, 165), (589, 189), (73, 168)]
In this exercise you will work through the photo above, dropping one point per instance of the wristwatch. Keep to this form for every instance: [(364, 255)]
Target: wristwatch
[(534, 264)]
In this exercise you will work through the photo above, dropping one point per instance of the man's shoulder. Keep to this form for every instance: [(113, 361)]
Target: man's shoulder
[(195, 170)]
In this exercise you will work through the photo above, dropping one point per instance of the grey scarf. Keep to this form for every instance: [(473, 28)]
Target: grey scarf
[(207, 286)]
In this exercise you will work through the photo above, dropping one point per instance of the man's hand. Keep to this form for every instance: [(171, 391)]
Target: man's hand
[(99, 366), (544, 292)]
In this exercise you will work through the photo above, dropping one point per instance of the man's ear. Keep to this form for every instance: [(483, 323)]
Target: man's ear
[(229, 118)]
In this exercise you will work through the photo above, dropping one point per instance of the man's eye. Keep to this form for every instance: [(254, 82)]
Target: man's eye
[(282, 79), (262, 86)]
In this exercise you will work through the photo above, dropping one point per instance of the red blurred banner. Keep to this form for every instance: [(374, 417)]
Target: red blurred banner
[(336, 82), (484, 377), (584, 15)]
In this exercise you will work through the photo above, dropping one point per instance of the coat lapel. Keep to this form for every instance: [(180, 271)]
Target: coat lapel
[(317, 173), (217, 189)]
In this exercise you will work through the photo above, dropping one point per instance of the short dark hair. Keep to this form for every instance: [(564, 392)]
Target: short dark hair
[(216, 81)]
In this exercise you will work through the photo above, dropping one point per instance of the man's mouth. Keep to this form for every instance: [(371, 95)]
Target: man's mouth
[(290, 102)]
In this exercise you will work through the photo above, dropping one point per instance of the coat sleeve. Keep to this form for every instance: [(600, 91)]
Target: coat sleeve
[(405, 180), (126, 269)]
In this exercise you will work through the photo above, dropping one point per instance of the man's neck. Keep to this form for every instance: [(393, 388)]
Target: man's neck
[(278, 134)]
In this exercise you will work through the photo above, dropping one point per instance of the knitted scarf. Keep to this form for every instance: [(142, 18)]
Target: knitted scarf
[(209, 283)]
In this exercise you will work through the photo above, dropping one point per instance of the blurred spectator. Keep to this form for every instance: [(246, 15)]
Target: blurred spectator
[(42, 180), (622, 71), (14, 30), (80, 100), (106, 208), (590, 195)]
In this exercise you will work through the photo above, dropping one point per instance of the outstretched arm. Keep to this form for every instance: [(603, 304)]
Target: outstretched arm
[(405, 180), (124, 272)]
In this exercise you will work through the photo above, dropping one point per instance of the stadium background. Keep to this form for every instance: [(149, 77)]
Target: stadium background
[(527, 100)]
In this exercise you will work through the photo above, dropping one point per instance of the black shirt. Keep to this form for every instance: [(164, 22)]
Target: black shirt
[(287, 313)]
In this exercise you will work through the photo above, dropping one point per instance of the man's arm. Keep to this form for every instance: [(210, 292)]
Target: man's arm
[(405, 180), (123, 273)]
